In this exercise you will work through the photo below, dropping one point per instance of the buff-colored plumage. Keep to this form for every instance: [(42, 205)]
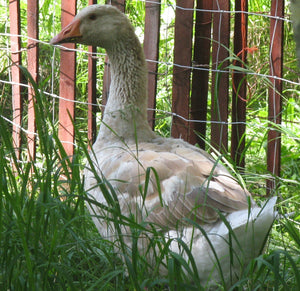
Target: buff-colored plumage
[(191, 183)]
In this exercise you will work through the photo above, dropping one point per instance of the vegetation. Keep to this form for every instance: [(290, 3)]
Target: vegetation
[(47, 238)]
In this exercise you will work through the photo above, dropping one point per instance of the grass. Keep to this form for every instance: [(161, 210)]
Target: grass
[(48, 240)]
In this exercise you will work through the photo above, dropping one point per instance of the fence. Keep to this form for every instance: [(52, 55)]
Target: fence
[(202, 67)]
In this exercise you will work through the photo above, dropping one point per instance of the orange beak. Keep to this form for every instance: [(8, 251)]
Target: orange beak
[(69, 34)]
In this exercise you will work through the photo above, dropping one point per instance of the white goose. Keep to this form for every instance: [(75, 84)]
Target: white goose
[(192, 184)]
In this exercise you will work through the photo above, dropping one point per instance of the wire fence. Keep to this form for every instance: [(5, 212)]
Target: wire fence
[(214, 73)]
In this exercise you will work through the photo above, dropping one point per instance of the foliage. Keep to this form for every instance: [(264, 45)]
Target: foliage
[(47, 239)]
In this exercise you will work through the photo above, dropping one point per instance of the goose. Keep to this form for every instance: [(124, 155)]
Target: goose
[(164, 182)]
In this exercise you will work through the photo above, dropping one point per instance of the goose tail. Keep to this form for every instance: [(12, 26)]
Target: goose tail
[(225, 249)]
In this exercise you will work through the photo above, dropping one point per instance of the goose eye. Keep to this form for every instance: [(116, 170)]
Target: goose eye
[(92, 16)]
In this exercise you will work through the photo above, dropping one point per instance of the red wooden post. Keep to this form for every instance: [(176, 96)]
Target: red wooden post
[(120, 4), (15, 40), (92, 96), (275, 102), (182, 60), (92, 90), (67, 83), (239, 82), (33, 64), (200, 73), (151, 50), (220, 81)]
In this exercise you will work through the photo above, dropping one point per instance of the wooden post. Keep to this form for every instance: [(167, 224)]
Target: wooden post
[(33, 65), (182, 71), (120, 4), (220, 80), (239, 84), (15, 40), (201, 62), (67, 83), (92, 90), (151, 50), (275, 101)]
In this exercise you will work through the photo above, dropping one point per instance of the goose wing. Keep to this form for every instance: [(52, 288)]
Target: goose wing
[(181, 182)]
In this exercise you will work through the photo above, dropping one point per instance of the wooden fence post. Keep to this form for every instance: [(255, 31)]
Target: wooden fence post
[(15, 40), (151, 50), (220, 80), (92, 92), (33, 65), (67, 83), (201, 61), (182, 71), (239, 84), (275, 101)]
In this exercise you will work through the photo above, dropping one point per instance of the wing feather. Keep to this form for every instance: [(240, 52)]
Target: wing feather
[(192, 184)]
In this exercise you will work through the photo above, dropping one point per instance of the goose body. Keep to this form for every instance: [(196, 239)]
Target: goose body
[(187, 184)]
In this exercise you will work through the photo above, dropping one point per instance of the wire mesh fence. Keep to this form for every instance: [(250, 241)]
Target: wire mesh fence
[(222, 72)]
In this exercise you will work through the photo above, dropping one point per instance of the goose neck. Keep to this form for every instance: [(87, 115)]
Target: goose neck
[(126, 109), (128, 74)]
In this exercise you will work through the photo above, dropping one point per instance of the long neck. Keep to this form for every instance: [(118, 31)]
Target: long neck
[(126, 109)]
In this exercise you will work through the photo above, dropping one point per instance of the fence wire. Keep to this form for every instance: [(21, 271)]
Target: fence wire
[(256, 70)]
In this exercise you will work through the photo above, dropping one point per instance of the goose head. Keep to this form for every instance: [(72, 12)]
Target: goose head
[(97, 25)]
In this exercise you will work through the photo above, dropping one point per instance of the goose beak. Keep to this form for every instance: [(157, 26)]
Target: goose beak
[(70, 33)]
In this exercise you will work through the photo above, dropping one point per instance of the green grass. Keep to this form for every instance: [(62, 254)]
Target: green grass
[(48, 240)]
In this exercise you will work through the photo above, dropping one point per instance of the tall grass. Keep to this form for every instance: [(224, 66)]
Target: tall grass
[(48, 241), (46, 237)]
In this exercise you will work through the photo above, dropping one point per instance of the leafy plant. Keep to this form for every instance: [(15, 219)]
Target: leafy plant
[(47, 238)]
